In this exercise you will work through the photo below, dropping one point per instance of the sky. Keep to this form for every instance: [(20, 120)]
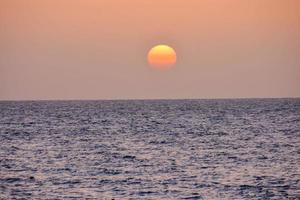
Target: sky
[(97, 49)]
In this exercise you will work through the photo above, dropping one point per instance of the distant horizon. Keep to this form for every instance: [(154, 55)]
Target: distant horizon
[(149, 99)]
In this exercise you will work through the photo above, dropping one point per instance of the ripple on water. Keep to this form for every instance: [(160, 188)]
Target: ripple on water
[(168, 149)]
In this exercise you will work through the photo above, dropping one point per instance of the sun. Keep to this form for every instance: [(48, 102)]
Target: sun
[(162, 57)]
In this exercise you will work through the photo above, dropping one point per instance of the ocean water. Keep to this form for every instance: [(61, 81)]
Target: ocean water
[(150, 149)]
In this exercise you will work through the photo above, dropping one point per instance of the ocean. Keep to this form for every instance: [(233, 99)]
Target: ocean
[(150, 149)]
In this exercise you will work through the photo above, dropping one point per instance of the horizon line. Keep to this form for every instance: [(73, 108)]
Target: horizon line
[(149, 99)]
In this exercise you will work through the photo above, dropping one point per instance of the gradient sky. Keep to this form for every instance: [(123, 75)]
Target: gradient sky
[(97, 49)]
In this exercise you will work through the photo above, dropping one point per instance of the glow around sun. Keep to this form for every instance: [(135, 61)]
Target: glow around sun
[(162, 57)]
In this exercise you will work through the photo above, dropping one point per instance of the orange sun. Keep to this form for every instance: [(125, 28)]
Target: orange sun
[(162, 57)]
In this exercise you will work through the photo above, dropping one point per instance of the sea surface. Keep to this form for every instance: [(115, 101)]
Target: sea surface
[(150, 149)]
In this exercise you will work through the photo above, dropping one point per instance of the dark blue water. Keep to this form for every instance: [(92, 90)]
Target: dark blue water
[(179, 149)]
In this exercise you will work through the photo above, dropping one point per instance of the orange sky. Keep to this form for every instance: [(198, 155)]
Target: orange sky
[(97, 49)]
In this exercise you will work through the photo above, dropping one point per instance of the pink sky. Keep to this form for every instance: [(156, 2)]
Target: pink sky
[(97, 49)]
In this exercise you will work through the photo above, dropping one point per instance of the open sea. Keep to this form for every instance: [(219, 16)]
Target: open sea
[(150, 149)]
